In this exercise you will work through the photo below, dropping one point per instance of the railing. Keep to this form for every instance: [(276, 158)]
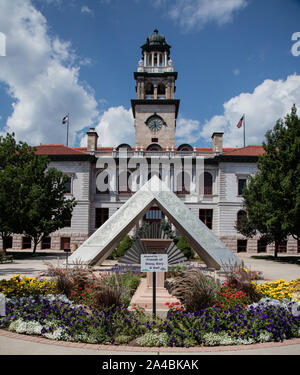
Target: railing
[(155, 69), (144, 153)]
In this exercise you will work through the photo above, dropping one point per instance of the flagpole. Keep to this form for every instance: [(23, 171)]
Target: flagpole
[(244, 130), (68, 130)]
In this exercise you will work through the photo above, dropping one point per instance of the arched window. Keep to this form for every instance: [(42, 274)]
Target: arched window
[(123, 186), (241, 216), (183, 182), (154, 147), (102, 181), (124, 145), (161, 89), (185, 147), (149, 89), (208, 183)]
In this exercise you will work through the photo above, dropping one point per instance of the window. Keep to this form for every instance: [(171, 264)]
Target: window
[(282, 247), (46, 243), (149, 89), (123, 182), (261, 246), (206, 216), (68, 185), (183, 183), (154, 139), (207, 183), (154, 215), (241, 246), (241, 216), (102, 181), (26, 243), (102, 215), (298, 246), (8, 242), (161, 89), (68, 222), (241, 184), (65, 243)]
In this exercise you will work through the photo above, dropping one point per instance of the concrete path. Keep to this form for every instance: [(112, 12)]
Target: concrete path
[(272, 270)]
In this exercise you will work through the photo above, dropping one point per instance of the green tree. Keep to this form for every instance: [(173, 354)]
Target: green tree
[(13, 157), (272, 197), (32, 195)]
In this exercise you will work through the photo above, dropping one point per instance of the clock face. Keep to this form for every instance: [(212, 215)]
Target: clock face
[(155, 124)]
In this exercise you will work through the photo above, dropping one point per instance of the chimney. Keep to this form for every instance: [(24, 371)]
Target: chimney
[(92, 140), (217, 139)]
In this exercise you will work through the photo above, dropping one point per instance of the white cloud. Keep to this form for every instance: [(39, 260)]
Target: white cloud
[(268, 102), (236, 72), (86, 10), (187, 131), (42, 78), (191, 14), (115, 127)]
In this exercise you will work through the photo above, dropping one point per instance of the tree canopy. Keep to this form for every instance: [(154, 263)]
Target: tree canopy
[(32, 195), (272, 196)]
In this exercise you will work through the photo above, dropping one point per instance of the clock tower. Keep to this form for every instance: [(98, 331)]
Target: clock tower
[(155, 109)]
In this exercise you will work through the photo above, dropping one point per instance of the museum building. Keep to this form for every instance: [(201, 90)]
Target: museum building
[(155, 110)]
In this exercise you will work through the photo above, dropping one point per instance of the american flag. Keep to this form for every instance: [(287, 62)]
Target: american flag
[(240, 123), (65, 119)]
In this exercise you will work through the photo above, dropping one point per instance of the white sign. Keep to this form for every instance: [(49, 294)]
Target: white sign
[(2, 304), (154, 262)]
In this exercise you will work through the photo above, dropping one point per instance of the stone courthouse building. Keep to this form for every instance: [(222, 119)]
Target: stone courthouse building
[(155, 110)]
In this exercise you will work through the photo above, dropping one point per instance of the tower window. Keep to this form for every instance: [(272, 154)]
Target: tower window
[(149, 89), (161, 89), (154, 139)]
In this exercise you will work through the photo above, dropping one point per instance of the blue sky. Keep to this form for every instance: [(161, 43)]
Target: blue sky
[(78, 56)]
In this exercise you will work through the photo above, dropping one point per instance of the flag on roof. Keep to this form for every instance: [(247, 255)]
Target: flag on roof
[(65, 119), (240, 123)]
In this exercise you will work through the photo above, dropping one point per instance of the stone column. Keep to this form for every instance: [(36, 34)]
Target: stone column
[(152, 58), (145, 59), (166, 59), (155, 92)]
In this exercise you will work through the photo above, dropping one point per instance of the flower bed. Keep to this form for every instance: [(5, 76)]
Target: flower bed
[(280, 289), (27, 286), (232, 319)]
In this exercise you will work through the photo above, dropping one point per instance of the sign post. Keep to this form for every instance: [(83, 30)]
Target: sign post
[(154, 263)]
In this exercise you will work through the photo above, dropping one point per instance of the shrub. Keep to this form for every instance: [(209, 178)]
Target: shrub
[(69, 279), (120, 251), (153, 339), (185, 248), (240, 278), (230, 297), (21, 286), (195, 290)]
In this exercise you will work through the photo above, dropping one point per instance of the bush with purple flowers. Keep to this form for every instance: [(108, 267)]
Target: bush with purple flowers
[(274, 322), (57, 317)]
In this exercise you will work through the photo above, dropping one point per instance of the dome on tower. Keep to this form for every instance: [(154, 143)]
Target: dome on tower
[(156, 42), (156, 39)]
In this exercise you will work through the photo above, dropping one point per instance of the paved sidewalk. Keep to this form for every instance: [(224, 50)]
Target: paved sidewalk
[(17, 344)]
